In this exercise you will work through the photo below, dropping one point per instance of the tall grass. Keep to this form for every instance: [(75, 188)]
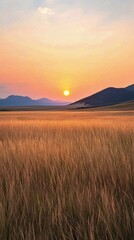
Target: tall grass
[(66, 176)]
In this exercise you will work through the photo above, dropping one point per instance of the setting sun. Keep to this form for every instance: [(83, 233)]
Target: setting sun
[(66, 93)]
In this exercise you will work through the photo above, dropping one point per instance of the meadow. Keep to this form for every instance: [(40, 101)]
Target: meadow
[(66, 175)]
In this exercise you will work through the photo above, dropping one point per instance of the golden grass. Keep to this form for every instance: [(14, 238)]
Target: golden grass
[(66, 175)]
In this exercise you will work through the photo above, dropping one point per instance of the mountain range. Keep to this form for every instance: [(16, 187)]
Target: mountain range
[(106, 97), (20, 101)]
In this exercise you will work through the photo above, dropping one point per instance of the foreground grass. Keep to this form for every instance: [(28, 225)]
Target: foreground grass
[(66, 176)]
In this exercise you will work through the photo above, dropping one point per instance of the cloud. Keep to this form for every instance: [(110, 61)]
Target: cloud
[(46, 11)]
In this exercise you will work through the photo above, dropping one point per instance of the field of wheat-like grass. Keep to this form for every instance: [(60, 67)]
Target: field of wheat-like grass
[(66, 176)]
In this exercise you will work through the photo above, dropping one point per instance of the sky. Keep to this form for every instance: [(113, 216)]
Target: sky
[(48, 46)]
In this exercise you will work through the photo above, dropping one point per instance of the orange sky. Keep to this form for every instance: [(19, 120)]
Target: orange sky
[(50, 47)]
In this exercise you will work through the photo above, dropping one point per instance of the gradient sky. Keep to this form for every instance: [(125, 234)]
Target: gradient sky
[(47, 46)]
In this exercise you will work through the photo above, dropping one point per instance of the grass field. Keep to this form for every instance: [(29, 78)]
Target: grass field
[(67, 176)]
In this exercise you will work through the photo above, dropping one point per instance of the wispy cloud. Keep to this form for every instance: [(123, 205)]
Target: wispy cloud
[(46, 11)]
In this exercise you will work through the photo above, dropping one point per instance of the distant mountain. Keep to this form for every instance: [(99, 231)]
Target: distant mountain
[(20, 101), (106, 97)]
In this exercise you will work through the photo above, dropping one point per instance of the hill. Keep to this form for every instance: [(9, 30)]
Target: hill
[(125, 106), (106, 97), (130, 88)]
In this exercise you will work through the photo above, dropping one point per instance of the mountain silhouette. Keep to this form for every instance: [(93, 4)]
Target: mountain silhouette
[(130, 88), (20, 101), (106, 97)]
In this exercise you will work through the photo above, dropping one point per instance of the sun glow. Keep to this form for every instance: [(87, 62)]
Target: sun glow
[(66, 93)]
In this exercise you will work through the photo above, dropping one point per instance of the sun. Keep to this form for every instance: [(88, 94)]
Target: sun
[(66, 93)]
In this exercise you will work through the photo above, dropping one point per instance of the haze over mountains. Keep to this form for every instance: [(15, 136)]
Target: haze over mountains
[(107, 97), (20, 101)]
